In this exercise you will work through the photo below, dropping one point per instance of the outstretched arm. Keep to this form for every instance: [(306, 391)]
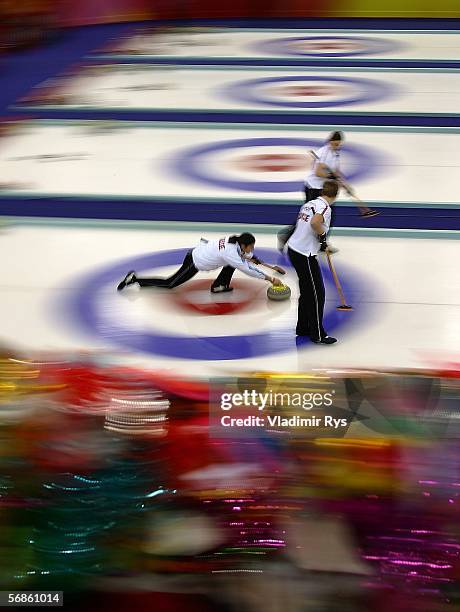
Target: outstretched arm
[(234, 260)]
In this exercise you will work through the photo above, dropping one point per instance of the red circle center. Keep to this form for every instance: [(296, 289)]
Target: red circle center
[(197, 297), (328, 46), (307, 91), (271, 162)]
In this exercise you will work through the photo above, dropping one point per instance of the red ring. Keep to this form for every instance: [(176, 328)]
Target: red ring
[(219, 303)]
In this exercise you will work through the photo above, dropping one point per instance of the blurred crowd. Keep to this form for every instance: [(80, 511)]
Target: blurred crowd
[(113, 490), (28, 22)]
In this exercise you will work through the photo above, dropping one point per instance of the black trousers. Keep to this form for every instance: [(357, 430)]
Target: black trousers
[(312, 295), (311, 194), (185, 273)]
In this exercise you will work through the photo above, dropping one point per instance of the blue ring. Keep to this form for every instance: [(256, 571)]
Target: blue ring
[(276, 46), (246, 91), (190, 163), (84, 307)]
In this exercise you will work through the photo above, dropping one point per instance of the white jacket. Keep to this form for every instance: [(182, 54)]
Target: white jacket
[(213, 254)]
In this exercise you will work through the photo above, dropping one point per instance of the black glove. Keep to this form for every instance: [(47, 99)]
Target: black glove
[(256, 260), (322, 241)]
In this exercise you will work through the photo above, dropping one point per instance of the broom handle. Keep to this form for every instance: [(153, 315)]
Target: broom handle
[(336, 278)]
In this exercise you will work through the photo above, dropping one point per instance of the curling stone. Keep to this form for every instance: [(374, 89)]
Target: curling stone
[(278, 293)]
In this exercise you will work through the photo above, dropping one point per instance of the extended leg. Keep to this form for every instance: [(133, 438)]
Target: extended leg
[(185, 273)]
